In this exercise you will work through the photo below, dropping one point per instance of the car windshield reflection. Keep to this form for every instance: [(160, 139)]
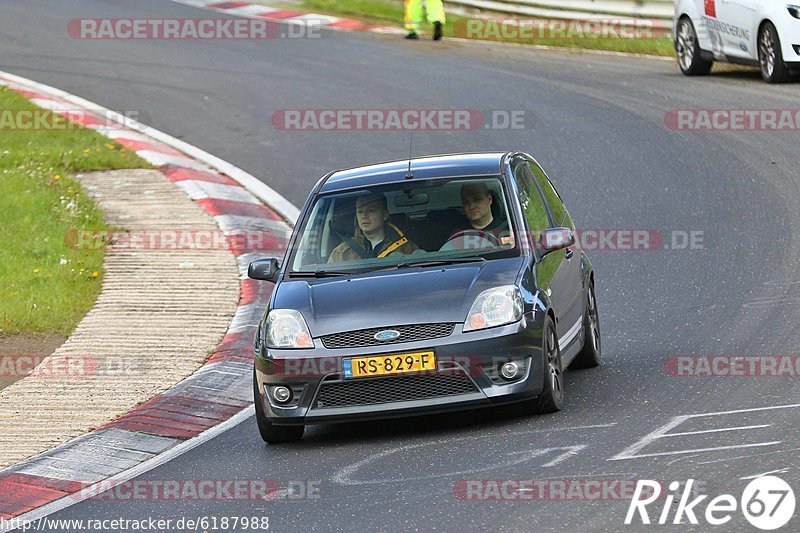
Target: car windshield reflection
[(439, 221)]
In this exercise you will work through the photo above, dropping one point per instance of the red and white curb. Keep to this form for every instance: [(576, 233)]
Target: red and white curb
[(274, 14), (215, 398)]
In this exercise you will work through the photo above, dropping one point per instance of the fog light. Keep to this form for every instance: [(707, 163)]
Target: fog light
[(281, 394), (796, 48), (509, 370)]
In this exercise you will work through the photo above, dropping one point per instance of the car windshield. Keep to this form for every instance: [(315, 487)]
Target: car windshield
[(434, 221)]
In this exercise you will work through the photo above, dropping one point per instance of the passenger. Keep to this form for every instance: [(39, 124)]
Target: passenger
[(375, 236)]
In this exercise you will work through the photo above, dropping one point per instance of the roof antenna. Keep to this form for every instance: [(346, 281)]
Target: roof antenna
[(409, 175)]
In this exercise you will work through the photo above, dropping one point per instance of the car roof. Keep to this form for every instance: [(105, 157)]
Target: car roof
[(467, 164)]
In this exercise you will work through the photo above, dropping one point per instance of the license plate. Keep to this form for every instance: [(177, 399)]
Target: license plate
[(387, 365)]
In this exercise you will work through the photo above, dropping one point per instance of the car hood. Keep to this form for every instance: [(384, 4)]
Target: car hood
[(393, 298)]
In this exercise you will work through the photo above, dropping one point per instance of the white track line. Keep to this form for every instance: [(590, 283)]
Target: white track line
[(755, 476), (632, 452), (720, 430), (753, 410), (698, 450)]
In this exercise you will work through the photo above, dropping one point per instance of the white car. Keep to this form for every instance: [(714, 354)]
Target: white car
[(763, 33)]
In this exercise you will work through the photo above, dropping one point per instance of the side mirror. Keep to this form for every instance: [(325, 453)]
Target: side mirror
[(264, 269), (554, 239)]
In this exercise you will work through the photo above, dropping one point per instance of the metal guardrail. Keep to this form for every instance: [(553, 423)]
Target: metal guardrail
[(660, 11)]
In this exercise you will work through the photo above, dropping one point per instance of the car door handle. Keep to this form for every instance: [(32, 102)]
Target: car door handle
[(569, 253)]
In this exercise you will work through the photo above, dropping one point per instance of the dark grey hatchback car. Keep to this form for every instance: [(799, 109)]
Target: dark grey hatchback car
[(443, 283)]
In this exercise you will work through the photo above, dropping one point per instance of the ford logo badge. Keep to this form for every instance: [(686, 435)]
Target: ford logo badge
[(386, 335)]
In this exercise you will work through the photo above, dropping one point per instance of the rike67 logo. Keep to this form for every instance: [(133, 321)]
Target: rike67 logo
[(767, 502), (711, 8)]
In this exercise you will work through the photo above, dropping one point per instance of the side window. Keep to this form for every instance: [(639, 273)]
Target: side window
[(530, 200), (314, 236), (559, 212)]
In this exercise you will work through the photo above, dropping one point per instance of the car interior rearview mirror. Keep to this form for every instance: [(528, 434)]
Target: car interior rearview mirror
[(411, 199)]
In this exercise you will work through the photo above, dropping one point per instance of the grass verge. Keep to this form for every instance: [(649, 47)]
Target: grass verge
[(390, 12), (47, 285)]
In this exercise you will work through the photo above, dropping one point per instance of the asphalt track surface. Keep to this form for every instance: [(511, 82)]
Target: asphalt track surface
[(596, 124)]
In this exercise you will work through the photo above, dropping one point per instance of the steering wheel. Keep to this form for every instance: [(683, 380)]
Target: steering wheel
[(471, 239)]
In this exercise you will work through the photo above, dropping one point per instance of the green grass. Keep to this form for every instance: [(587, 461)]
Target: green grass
[(390, 12), (47, 285), (377, 11)]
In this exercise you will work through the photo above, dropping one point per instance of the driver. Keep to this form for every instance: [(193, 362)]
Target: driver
[(375, 236), (476, 198)]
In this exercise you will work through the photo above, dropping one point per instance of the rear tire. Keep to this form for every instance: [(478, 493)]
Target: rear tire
[(689, 55), (271, 433), (770, 57), (591, 354), (552, 397)]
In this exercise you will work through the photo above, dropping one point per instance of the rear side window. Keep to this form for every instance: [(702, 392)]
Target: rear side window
[(530, 200), (558, 211)]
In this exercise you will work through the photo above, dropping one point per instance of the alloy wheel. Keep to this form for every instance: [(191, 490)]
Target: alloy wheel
[(554, 365), (686, 45)]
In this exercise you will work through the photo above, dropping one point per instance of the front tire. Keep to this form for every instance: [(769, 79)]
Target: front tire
[(689, 55), (770, 58), (271, 433), (552, 397), (591, 354)]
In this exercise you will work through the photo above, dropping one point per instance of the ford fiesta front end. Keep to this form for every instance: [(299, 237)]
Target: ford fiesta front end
[(415, 293)]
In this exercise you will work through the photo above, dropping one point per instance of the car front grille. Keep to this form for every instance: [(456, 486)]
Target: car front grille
[(371, 391), (366, 337)]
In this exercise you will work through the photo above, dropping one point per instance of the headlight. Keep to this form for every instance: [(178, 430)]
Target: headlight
[(794, 10), (495, 307), (286, 328)]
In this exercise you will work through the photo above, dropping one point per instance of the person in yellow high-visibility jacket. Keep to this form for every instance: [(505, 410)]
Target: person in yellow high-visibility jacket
[(435, 11)]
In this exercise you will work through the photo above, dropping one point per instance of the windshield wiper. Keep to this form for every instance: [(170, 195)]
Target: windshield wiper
[(438, 262), (319, 274)]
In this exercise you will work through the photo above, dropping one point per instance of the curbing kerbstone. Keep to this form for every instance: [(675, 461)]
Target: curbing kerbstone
[(219, 391), (154, 321)]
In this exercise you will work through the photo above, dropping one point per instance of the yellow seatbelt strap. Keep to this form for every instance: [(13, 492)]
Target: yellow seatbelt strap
[(396, 244)]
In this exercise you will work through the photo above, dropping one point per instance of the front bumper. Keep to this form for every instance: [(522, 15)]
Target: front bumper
[(466, 378), (789, 32)]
